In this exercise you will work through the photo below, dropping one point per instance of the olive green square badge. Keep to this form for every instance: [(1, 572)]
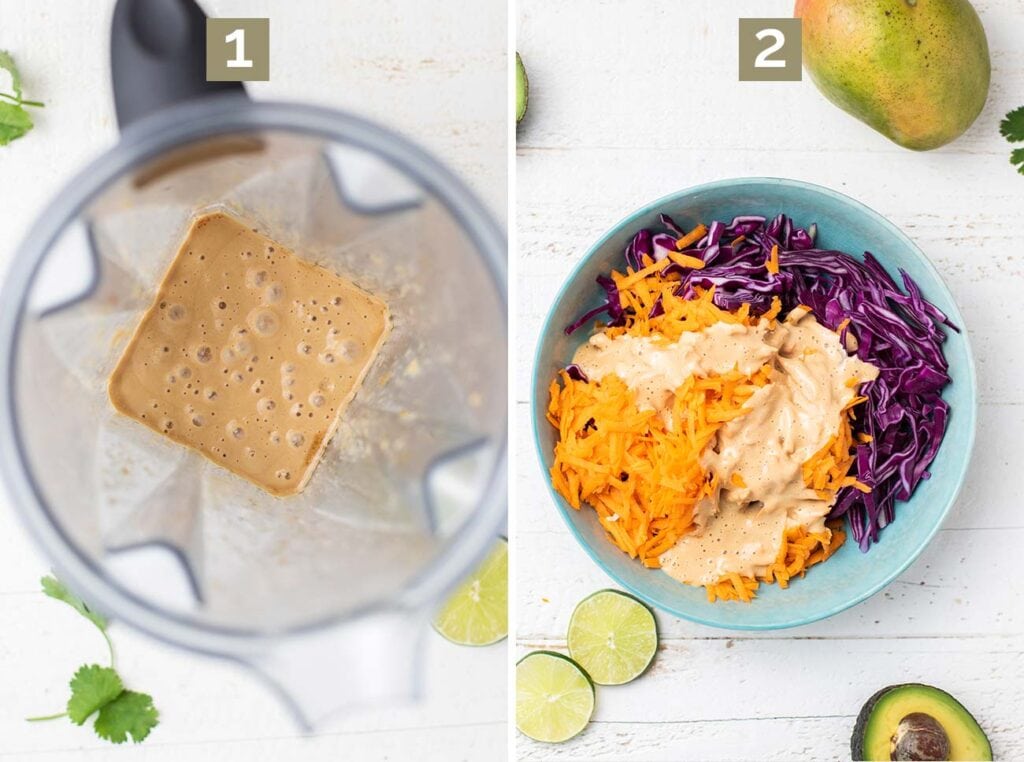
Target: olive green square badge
[(237, 50), (770, 50)]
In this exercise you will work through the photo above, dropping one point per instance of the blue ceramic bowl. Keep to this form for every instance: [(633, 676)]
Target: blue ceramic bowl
[(850, 576)]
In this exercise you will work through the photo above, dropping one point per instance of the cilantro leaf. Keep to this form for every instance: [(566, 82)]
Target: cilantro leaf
[(1012, 127), (8, 65), (14, 119), (56, 589), (130, 714), (92, 688), (14, 122), (1017, 158)]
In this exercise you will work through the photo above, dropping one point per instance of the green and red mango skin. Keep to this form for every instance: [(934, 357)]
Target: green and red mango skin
[(916, 71)]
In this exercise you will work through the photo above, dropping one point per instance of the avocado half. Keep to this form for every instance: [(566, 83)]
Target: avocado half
[(917, 722)]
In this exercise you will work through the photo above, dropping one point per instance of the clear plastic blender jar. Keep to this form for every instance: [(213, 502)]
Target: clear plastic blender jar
[(328, 592)]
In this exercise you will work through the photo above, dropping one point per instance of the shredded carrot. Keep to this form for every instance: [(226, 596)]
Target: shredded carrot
[(826, 473), (686, 260), (642, 478), (692, 237), (642, 473), (798, 551)]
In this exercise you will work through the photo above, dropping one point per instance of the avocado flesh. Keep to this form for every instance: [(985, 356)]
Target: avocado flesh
[(876, 725)]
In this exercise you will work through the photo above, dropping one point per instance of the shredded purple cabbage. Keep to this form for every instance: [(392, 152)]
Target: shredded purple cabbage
[(897, 330)]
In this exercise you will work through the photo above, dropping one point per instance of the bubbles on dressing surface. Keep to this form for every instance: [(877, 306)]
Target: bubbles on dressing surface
[(349, 349), (205, 329), (255, 278), (264, 321), (273, 293)]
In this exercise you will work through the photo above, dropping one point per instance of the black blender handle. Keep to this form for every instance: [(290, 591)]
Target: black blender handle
[(158, 57)]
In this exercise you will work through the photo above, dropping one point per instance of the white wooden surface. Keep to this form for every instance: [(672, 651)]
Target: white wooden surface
[(435, 71), (633, 100)]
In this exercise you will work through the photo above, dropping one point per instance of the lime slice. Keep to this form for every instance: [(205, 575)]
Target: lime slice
[(613, 636), (477, 612), (554, 697), (522, 89)]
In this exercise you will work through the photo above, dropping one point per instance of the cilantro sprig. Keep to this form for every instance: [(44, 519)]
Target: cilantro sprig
[(1012, 128), (14, 119), (98, 690)]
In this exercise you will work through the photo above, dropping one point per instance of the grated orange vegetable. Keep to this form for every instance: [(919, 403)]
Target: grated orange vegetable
[(644, 478), (798, 551), (692, 237)]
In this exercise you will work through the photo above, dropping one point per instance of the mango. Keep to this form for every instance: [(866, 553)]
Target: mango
[(915, 70)]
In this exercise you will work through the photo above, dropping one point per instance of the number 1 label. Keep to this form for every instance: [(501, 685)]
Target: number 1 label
[(237, 50), (239, 61)]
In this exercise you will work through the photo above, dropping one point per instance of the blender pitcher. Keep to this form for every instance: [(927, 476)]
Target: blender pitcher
[(326, 593)]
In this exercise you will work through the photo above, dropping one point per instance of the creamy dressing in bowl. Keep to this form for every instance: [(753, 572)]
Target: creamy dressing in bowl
[(740, 528)]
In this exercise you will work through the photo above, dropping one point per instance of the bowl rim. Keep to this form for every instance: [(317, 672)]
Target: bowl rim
[(955, 316)]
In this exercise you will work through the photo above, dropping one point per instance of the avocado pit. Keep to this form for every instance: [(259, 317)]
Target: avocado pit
[(920, 736)]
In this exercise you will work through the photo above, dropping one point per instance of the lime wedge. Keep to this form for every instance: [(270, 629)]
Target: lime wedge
[(554, 697), (522, 89), (613, 636), (476, 614)]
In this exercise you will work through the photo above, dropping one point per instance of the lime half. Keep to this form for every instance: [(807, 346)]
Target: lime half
[(554, 697), (613, 636), (477, 612)]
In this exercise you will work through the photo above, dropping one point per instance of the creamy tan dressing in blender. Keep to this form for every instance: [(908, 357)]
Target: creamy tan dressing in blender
[(788, 421), (248, 354)]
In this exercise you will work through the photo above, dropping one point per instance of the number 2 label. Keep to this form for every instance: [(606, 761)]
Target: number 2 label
[(764, 59), (770, 50)]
